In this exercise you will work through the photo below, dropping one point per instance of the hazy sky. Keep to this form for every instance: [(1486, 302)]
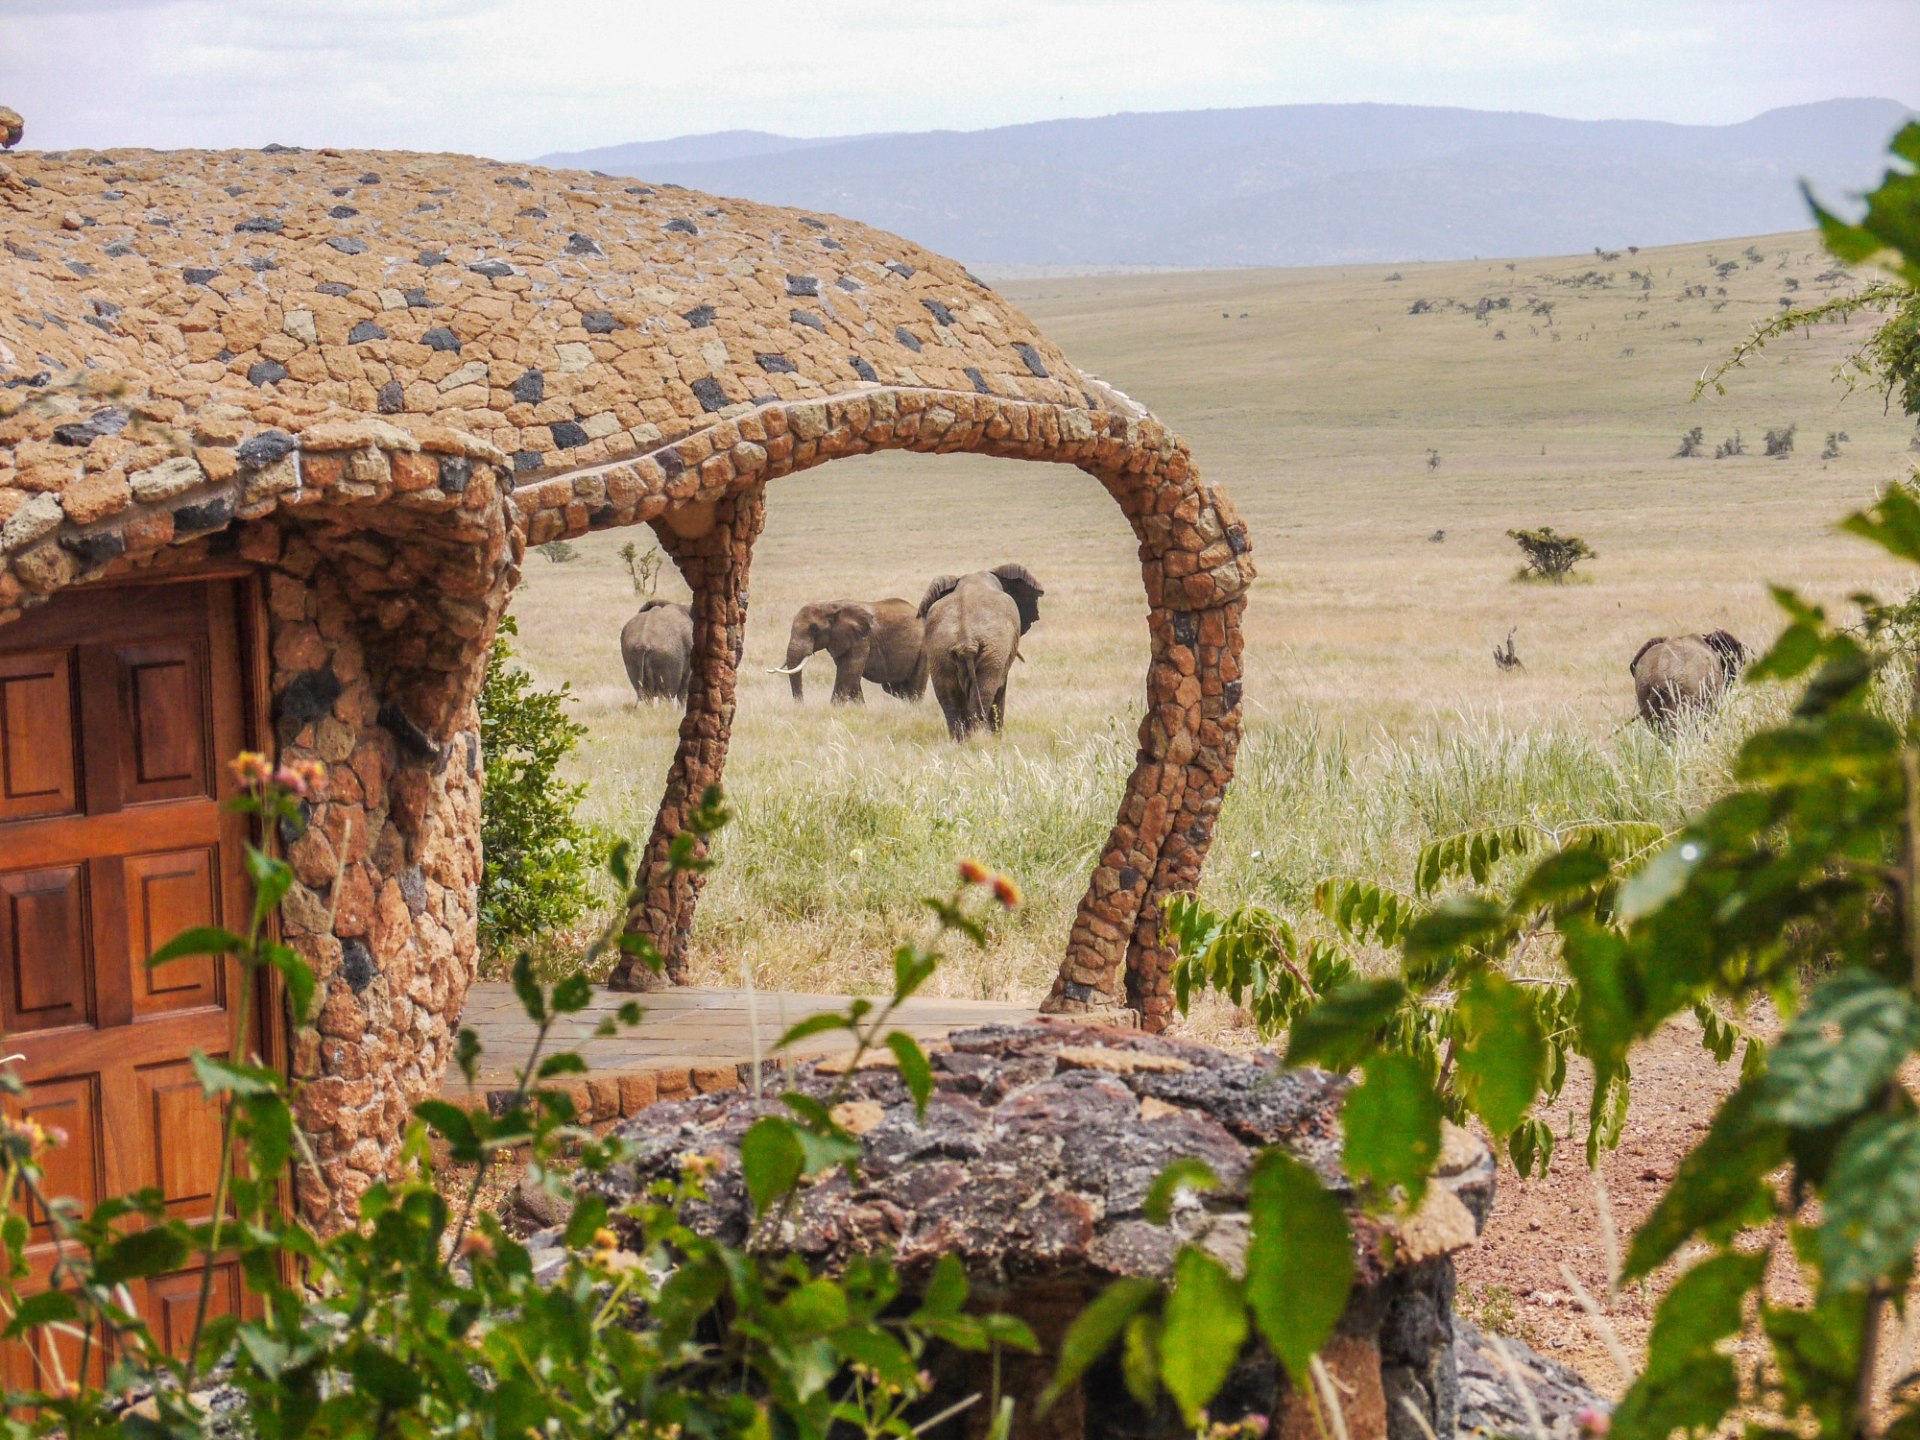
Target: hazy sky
[(515, 78)]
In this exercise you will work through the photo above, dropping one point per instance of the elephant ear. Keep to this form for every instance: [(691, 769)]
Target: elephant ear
[(854, 620), (941, 587), (1026, 591), (1634, 664), (1733, 655)]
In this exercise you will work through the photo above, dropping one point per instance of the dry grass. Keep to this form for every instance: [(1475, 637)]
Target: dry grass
[(1376, 717)]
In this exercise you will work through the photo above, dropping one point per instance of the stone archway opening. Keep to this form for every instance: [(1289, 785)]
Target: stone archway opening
[(705, 498)]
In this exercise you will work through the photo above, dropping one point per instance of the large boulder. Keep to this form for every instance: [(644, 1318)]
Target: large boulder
[(1033, 1163)]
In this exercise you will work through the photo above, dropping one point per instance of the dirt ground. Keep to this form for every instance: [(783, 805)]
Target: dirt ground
[(1512, 1282)]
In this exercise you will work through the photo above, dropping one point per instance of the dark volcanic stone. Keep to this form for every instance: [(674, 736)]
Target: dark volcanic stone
[(599, 322), (260, 225), (1032, 358), (808, 319), (578, 244), (700, 317), (682, 227), (309, 696), (363, 332), (95, 549), (338, 289), (940, 313), (430, 257), (196, 275), (207, 515), (775, 364), (392, 398), (902, 269), (906, 337), (356, 965), (569, 433), (266, 372), (492, 269), (441, 338), (269, 447), (96, 426), (979, 381), (803, 285), (456, 474), (862, 368), (530, 388), (708, 392), (342, 212)]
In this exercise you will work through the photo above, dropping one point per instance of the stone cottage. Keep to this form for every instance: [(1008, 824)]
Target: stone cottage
[(278, 428)]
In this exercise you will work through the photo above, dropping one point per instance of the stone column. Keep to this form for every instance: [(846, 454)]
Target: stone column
[(713, 546)]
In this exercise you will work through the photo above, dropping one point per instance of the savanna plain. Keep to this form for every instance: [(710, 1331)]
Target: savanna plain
[(1381, 429)]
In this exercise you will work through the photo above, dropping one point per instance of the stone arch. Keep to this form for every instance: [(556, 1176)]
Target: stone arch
[(705, 496)]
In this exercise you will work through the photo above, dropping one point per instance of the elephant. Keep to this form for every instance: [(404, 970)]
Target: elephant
[(657, 644), (974, 625), (877, 640), (1672, 676)]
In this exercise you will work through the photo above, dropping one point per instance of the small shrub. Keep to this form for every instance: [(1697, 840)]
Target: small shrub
[(1779, 443), (1835, 439), (1420, 307), (1734, 444), (1550, 556), (539, 858), (1433, 460), (558, 551), (1693, 444), (645, 569)]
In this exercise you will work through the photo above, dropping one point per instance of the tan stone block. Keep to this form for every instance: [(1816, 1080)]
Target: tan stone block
[(96, 496), (637, 1092)]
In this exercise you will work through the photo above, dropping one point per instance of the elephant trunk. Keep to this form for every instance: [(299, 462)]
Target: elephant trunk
[(799, 650)]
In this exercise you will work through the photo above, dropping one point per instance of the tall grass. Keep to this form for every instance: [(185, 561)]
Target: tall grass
[(843, 825)]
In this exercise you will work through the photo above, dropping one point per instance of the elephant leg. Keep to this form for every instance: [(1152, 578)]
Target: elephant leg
[(716, 567), (997, 712), (848, 666)]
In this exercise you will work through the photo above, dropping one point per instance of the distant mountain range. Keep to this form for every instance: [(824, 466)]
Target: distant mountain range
[(1294, 184)]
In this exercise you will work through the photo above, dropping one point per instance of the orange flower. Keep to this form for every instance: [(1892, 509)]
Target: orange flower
[(251, 768), (972, 872), (1006, 892), (475, 1243)]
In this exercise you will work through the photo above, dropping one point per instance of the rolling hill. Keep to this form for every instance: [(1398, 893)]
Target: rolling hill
[(1293, 184)]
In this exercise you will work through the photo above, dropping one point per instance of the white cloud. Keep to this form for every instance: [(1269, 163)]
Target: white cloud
[(519, 77)]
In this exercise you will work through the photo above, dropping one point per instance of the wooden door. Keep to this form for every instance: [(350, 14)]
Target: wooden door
[(119, 708)]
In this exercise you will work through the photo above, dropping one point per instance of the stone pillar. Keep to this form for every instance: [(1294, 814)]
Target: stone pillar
[(713, 546)]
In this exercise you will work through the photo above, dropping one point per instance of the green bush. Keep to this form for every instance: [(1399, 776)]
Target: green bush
[(539, 857), (1550, 556)]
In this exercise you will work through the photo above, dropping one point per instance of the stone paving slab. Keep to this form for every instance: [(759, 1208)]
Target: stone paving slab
[(691, 1040)]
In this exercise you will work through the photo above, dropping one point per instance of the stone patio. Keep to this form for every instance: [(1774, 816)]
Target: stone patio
[(692, 1041)]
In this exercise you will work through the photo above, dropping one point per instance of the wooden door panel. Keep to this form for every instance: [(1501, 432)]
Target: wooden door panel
[(162, 686), (167, 893), (181, 1132), (38, 770), (118, 709), (173, 1300), (73, 1169), (44, 950)]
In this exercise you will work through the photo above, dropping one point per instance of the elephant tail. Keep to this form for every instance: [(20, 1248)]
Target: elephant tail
[(967, 659)]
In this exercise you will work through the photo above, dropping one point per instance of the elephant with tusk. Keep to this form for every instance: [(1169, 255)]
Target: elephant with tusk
[(1672, 676), (657, 645), (877, 640), (974, 625)]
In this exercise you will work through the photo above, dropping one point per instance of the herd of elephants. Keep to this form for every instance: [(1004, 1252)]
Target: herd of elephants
[(965, 633), (963, 636)]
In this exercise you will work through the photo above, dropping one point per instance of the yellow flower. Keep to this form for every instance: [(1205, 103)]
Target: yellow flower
[(250, 767)]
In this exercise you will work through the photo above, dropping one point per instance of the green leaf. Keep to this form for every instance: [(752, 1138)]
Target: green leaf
[(564, 1062), (218, 1077), (572, 994), (391, 1381), (200, 940), (1500, 1054), (915, 1072), (1872, 1202), (1185, 1174), (1093, 1333), (49, 1307), (1201, 1333), (1299, 1261), (1720, 1183), (527, 987), (811, 1026), (771, 1159), (1341, 1031), (1391, 1122), (1893, 523), (140, 1255), (1813, 1080), (1687, 1384), (946, 1289), (466, 1053), (589, 1215), (1463, 923)]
